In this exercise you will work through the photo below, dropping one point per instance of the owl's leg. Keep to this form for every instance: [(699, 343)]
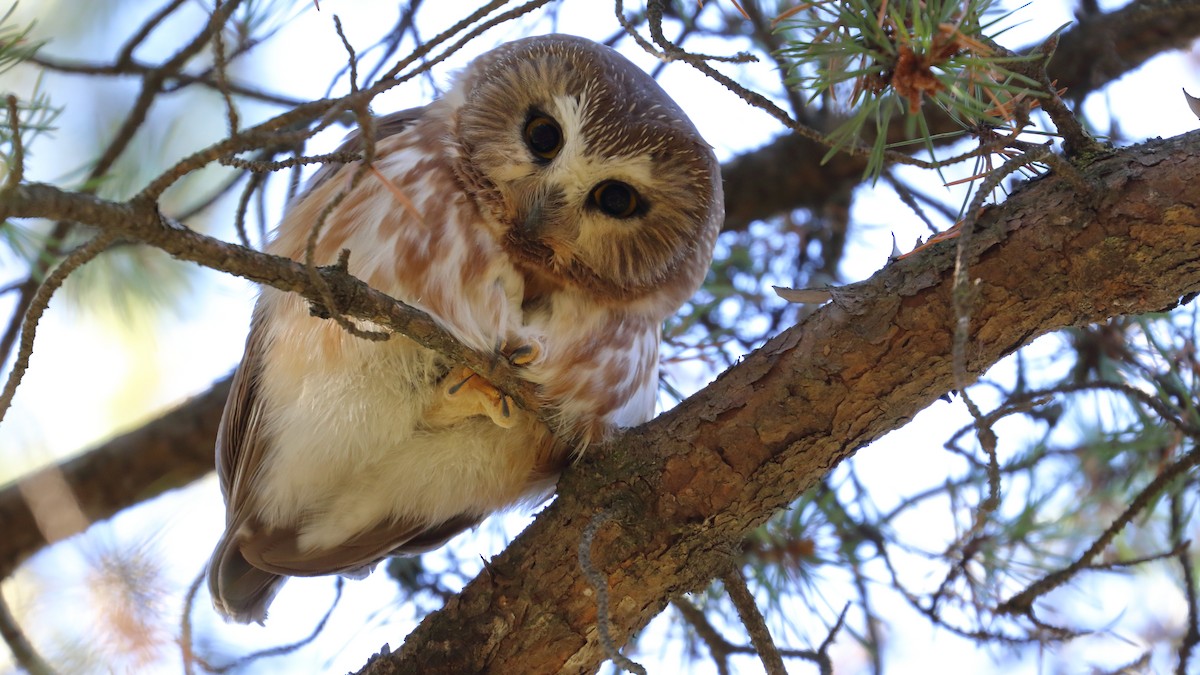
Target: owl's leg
[(467, 394)]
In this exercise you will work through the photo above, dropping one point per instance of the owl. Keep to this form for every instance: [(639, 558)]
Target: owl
[(554, 207)]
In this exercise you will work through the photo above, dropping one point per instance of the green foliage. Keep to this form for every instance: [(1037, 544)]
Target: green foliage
[(34, 116), (886, 60)]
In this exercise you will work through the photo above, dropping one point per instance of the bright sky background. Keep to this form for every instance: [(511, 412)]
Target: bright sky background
[(89, 381)]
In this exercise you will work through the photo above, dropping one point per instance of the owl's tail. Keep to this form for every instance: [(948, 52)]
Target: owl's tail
[(240, 591)]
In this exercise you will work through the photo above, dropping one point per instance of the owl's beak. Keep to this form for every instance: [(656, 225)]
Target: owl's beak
[(533, 223)]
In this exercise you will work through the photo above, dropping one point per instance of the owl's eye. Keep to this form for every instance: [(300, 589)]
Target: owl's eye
[(543, 136), (615, 199)]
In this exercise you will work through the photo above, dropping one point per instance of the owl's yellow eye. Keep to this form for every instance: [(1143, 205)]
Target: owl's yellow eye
[(615, 199), (543, 136)]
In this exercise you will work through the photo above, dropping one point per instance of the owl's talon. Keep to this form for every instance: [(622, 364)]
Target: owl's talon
[(469, 395), (522, 355), (453, 389)]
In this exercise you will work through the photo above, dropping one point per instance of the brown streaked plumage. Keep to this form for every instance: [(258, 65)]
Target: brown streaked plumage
[(557, 203)]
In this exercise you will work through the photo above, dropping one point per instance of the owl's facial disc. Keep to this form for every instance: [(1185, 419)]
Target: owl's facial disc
[(594, 176), (564, 179)]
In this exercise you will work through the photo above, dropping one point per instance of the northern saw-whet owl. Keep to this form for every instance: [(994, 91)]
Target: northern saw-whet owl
[(557, 206)]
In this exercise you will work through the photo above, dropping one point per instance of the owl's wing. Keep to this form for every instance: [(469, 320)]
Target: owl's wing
[(238, 589), (387, 125), (239, 437), (276, 551)]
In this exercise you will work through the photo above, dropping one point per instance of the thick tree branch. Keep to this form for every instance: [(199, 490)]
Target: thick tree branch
[(686, 487), (167, 453)]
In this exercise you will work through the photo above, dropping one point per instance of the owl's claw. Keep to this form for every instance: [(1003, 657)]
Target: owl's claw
[(522, 355), (468, 394)]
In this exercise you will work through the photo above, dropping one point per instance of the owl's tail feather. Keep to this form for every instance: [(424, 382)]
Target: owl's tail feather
[(240, 591)]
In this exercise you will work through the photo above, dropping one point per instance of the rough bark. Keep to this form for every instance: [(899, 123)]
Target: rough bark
[(684, 489)]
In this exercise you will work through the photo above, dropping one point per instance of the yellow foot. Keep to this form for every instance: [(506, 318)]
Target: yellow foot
[(467, 394)]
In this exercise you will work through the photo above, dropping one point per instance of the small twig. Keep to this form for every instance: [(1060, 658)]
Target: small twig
[(239, 218), (367, 134), (425, 48), (1025, 400), (206, 202), (599, 583), (281, 649), (718, 646), (219, 75), (824, 663), (1183, 553), (125, 56), (178, 80), (38, 305), (263, 166), (721, 648), (389, 42), (775, 43), (752, 619), (351, 57), (185, 624), (16, 169), (1180, 548), (963, 294), (22, 649)]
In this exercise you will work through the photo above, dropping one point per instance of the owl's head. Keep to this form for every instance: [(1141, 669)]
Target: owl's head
[(595, 176)]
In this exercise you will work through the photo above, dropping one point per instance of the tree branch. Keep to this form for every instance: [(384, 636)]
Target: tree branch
[(168, 453)]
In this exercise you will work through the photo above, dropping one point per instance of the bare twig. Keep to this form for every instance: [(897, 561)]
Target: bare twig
[(752, 619), (16, 169), (186, 653), (718, 646), (239, 219), (599, 583), (125, 56), (220, 77), (38, 305), (1076, 140), (1184, 556), (280, 650), (173, 81), (351, 58)]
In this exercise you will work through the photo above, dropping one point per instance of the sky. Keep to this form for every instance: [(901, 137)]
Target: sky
[(97, 373)]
